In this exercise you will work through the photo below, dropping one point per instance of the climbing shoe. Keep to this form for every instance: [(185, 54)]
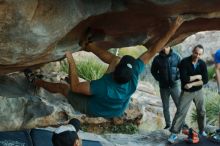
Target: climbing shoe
[(203, 133)]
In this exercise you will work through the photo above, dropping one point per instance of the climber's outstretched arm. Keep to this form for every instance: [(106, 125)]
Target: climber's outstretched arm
[(145, 57)]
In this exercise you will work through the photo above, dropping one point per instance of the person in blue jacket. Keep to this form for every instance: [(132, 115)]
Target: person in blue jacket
[(165, 70)]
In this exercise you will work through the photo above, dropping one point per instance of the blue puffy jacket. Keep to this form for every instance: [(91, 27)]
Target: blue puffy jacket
[(165, 69)]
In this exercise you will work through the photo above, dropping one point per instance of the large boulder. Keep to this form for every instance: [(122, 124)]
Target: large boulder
[(31, 31), (35, 32)]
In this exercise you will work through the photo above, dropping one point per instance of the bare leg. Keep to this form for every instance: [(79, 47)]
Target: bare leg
[(53, 87)]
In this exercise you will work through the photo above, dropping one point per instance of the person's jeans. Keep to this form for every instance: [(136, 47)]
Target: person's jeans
[(165, 97), (185, 101)]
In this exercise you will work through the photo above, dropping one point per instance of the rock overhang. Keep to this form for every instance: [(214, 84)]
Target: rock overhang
[(36, 32)]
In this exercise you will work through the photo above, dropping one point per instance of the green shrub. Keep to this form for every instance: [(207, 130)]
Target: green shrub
[(125, 129), (211, 72), (88, 69), (212, 106)]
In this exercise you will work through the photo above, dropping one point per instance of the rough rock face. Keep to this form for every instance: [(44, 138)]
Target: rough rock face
[(24, 107), (36, 32), (31, 31)]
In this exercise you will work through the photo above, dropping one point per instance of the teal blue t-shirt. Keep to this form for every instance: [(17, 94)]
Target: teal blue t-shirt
[(110, 99)]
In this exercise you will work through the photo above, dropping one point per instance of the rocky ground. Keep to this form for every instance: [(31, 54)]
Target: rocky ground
[(156, 138)]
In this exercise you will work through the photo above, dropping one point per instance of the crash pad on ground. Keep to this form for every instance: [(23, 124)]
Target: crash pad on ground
[(202, 142), (34, 137)]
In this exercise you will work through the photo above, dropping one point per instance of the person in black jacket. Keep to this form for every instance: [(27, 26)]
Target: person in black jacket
[(193, 75), (165, 70)]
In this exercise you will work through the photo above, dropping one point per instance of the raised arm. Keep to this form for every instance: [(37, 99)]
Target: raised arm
[(75, 85), (145, 57)]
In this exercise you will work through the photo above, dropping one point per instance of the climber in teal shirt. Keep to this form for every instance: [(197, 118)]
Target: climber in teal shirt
[(108, 96)]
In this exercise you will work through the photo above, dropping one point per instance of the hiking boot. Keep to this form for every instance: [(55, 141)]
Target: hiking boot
[(167, 127), (203, 133), (172, 138)]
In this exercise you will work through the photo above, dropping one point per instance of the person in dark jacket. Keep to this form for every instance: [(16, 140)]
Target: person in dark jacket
[(165, 70), (193, 75)]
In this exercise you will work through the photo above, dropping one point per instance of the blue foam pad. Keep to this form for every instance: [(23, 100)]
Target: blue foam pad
[(15, 138), (203, 141), (41, 137), (37, 137), (90, 143)]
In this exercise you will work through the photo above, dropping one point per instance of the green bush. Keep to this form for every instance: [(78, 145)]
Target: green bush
[(125, 129), (212, 106), (88, 69), (212, 110), (211, 72)]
